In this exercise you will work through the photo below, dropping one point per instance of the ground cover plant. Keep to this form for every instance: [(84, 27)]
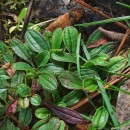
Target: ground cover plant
[(43, 76), (45, 79)]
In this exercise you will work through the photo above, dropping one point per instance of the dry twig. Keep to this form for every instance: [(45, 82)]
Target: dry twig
[(100, 13), (123, 42), (27, 18)]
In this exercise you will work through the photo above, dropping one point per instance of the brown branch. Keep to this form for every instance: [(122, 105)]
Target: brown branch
[(31, 3), (91, 96), (123, 42), (100, 13)]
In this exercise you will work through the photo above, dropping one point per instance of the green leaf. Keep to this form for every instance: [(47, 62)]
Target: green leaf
[(24, 103), (106, 48), (22, 15), (91, 128), (6, 53), (100, 118), (2, 110), (48, 36), (53, 124), (42, 58), (36, 100), (20, 50), (94, 37), (48, 81), (36, 41), (11, 29), (100, 59), (63, 56), (8, 56), (7, 125), (72, 98), (25, 116), (22, 66), (38, 124), (42, 113), (5, 77), (3, 82), (62, 125), (24, 90), (128, 63), (55, 95), (57, 39), (2, 90), (3, 94), (115, 64), (70, 36), (90, 85), (70, 80), (50, 67), (17, 79), (3, 47), (85, 73)]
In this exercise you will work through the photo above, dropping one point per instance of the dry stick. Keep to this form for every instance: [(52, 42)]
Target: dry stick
[(31, 3), (124, 72), (100, 13), (44, 23), (122, 42), (85, 100)]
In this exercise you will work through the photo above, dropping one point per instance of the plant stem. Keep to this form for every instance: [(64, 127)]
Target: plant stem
[(30, 7), (106, 99), (105, 21), (78, 55), (43, 23)]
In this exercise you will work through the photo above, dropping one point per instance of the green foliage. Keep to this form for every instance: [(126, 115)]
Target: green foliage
[(53, 124), (42, 58), (53, 70), (48, 81), (20, 18), (20, 50), (124, 5), (24, 90), (56, 39), (94, 36), (24, 103), (70, 35), (35, 41), (42, 113), (25, 116), (35, 100), (7, 125), (105, 21), (100, 118)]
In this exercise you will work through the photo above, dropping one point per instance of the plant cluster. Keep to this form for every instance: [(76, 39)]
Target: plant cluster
[(41, 78)]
